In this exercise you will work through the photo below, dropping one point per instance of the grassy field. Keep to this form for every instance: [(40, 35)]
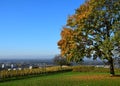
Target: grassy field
[(68, 79)]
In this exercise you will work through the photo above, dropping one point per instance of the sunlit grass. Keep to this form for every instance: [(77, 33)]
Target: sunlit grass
[(68, 79)]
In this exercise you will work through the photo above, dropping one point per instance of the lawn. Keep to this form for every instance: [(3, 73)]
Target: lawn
[(67, 79)]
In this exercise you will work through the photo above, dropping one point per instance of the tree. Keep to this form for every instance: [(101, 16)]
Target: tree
[(96, 25), (59, 60)]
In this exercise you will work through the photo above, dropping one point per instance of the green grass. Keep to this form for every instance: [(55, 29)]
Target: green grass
[(68, 79)]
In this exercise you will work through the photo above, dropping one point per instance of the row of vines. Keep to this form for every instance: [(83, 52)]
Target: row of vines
[(18, 73)]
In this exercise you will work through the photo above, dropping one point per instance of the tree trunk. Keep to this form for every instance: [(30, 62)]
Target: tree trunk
[(111, 67)]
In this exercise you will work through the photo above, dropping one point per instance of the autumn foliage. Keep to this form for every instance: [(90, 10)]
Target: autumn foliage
[(69, 46)]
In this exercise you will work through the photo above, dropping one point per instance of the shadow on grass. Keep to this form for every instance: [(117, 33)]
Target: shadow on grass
[(115, 75), (20, 77)]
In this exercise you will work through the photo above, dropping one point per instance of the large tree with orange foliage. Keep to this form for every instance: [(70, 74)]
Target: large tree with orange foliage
[(93, 31)]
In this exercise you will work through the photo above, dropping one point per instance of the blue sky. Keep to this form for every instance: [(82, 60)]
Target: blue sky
[(32, 27)]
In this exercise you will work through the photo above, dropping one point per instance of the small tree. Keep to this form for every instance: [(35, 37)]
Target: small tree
[(59, 60)]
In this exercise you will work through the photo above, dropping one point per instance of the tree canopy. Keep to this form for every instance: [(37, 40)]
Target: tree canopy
[(93, 31)]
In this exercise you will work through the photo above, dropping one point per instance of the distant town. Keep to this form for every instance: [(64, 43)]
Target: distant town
[(20, 64)]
